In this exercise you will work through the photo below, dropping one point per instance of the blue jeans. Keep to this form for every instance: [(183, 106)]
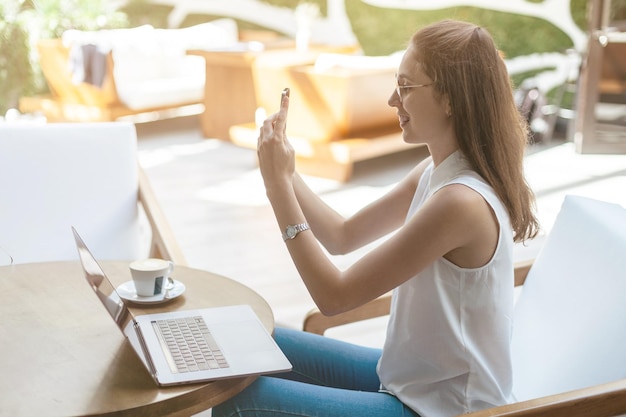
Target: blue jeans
[(329, 378)]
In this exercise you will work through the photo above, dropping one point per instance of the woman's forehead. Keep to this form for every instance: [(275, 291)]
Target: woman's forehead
[(410, 67)]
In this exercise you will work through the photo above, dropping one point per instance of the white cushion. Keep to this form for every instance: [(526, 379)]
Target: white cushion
[(570, 320), (151, 66), (163, 91), (54, 176), (144, 55), (148, 53)]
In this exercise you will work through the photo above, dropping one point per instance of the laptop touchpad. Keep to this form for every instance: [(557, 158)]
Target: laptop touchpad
[(242, 337)]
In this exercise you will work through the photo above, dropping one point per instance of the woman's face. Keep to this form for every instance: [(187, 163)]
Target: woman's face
[(421, 111)]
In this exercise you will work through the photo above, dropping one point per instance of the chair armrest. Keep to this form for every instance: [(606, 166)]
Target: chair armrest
[(316, 322), (600, 400), (164, 244)]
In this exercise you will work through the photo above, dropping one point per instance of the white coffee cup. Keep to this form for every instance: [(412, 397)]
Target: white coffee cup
[(150, 276)]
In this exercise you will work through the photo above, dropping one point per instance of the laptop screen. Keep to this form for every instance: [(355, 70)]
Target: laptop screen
[(101, 285)]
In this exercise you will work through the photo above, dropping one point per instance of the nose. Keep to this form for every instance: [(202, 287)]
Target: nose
[(394, 99)]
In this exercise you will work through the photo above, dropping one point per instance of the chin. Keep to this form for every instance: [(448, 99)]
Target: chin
[(410, 138)]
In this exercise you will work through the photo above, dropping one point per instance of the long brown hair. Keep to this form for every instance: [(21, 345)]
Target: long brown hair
[(465, 65)]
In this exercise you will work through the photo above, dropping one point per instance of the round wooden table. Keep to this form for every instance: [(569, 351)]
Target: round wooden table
[(62, 355)]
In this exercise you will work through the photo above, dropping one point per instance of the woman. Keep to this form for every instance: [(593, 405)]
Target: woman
[(455, 216)]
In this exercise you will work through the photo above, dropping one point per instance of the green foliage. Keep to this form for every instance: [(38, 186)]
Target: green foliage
[(515, 35), (578, 10), (139, 13), (16, 74), (53, 17), (23, 22)]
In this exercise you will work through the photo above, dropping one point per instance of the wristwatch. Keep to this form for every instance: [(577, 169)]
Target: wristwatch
[(292, 230)]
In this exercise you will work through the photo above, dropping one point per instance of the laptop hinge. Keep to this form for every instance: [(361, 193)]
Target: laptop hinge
[(144, 348)]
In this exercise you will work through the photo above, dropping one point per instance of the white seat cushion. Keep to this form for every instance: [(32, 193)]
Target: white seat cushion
[(185, 87)]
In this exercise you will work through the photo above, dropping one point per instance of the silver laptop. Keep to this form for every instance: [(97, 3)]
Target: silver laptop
[(189, 346)]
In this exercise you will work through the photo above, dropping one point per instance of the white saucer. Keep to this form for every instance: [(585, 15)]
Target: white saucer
[(127, 292)]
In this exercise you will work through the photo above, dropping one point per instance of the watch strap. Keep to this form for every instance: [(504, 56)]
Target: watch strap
[(292, 230)]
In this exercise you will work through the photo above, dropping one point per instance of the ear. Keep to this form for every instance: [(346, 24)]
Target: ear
[(447, 106)]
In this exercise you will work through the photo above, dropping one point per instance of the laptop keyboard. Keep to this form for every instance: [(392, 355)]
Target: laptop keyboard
[(189, 345)]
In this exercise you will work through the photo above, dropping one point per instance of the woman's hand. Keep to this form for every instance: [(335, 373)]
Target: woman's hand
[(276, 155)]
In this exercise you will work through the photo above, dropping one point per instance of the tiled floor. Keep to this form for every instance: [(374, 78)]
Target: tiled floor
[(212, 193)]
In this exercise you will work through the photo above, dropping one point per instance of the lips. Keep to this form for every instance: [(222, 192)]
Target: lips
[(403, 120)]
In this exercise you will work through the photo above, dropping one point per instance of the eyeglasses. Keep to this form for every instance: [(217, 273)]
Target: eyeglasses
[(399, 88)]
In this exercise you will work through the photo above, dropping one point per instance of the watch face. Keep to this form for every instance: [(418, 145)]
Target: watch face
[(291, 232)]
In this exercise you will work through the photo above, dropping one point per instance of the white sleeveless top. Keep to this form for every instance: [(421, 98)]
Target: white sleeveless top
[(447, 350)]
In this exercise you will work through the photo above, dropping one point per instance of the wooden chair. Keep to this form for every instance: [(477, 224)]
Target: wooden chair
[(569, 338), (54, 176)]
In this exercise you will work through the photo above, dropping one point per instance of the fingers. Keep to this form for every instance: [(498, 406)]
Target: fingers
[(280, 123), (277, 122), (266, 129)]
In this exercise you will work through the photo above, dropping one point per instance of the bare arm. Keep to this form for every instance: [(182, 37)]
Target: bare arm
[(450, 223), (340, 235)]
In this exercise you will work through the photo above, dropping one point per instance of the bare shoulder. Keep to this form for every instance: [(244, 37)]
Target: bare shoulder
[(456, 194), (470, 221), (461, 202)]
